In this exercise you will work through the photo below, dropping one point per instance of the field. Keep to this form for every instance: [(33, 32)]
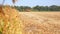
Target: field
[(14, 22), (41, 22)]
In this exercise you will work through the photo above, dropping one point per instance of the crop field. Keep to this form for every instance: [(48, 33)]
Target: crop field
[(15, 22), (41, 22)]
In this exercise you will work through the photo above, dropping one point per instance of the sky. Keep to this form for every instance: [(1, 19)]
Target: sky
[(33, 2)]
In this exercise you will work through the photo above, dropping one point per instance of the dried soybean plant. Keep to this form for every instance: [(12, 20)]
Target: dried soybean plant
[(9, 20)]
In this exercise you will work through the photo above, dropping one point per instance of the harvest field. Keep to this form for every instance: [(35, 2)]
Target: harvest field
[(15, 22), (32, 18), (41, 22)]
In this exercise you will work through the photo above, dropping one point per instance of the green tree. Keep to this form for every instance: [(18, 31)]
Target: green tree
[(36, 8)]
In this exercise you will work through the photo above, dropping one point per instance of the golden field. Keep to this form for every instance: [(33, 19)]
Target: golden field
[(41, 22), (14, 22)]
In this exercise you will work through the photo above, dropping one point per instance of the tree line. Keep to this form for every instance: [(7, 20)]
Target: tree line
[(38, 8)]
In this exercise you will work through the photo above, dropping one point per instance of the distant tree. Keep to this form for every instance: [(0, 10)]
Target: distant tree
[(46, 8), (27, 8), (36, 8), (23, 8), (58, 8), (42, 8), (54, 8)]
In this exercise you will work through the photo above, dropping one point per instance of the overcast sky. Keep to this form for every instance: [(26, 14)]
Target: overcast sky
[(33, 2)]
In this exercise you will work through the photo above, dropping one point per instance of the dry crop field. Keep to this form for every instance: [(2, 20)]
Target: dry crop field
[(15, 22), (40, 22)]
